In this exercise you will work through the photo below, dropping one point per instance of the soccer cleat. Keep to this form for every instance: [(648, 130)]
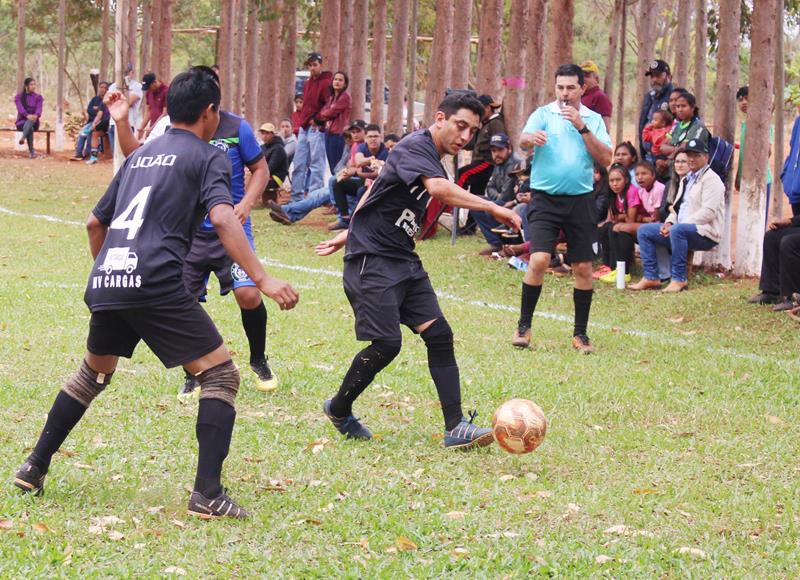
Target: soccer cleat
[(30, 479), (611, 277), (581, 342), (220, 507), (190, 388), (522, 337), (348, 426), (466, 435), (267, 381)]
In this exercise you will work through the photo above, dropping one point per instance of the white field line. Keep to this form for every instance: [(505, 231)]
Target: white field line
[(658, 337)]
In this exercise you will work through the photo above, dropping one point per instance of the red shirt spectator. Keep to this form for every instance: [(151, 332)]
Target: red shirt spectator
[(315, 92)]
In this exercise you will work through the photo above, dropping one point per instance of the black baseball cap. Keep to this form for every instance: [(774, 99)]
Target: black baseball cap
[(313, 56), (699, 145), (499, 141), (656, 67), (358, 124), (148, 80)]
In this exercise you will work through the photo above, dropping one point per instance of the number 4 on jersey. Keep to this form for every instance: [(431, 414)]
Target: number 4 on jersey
[(125, 221)]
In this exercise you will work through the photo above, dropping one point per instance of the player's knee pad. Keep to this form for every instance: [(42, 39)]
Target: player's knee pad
[(438, 339), (220, 382), (86, 384), (387, 350)]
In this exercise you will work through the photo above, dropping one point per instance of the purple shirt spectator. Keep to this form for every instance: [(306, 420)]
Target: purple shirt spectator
[(28, 104)]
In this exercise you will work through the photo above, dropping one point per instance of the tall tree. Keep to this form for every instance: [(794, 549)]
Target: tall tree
[(397, 66), (620, 106), (411, 87), (560, 36), (20, 43), (725, 113), (346, 36), (378, 61), (251, 65), (514, 102), (288, 58), (536, 86), (613, 48), (752, 195), (155, 34), (700, 53), (329, 34), (105, 34), (777, 155), (680, 68), (648, 10), (239, 55), (462, 43), (490, 48), (147, 37), (440, 63), (358, 67), (62, 70), (269, 85), (132, 14), (225, 51)]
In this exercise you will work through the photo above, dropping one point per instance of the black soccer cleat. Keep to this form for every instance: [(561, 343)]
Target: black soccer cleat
[(348, 426), (30, 478), (190, 388), (466, 435), (266, 381), (220, 507)]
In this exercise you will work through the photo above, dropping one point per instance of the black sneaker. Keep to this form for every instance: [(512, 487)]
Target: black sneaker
[(466, 436), (783, 305), (190, 388), (220, 507), (30, 478), (581, 343), (267, 381), (764, 298), (348, 426)]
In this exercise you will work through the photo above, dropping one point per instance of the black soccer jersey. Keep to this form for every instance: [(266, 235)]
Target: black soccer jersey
[(152, 209), (392, 214)]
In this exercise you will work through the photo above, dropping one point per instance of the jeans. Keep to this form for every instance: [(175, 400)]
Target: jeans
[(486, 222), (334, 147), (83, 140), (111, 130), (27, 133), (297, 210), (309, 162), (682, 238)]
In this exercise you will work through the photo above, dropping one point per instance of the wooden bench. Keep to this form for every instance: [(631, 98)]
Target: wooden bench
[(47, 132)]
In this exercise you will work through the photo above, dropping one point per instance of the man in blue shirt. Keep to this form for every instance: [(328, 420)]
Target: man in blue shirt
[(567, 139)]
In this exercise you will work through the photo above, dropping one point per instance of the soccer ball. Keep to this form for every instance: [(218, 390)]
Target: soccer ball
[(519, 426)]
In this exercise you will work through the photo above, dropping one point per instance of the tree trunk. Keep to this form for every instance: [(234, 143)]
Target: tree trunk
[(269, 90), (346, 36), (251, 65), (490, 48), (224, 51), (613, 47), (397, 66), (680, 70), (411, 88), (105, 34), (239, 55), (725, 114), (358, 62), (777, 149), (132, 12), (560, 37), (119, 68), (147, 37), (329, 34), (462, 46), (700, 54), (648, 11), (620, 106), (752, 196), (439, 63), (265, 75), (62, 67), (535, 82), (514, 100), (20, 44), (155, 39), (288, 59), (378, 61), (165, 50)]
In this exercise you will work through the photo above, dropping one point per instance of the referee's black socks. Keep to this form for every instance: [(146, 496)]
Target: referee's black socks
[(442, 364), (254, 322), (366, 364), (530, 296), (214, 429), (583, 303)]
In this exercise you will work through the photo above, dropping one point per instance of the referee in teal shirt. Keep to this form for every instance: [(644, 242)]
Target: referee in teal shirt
[(567, 138)]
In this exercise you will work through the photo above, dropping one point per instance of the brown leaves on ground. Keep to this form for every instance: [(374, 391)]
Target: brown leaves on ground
[(405, 545), (694, 552), (318, 445), (41, 527), (6, 524)]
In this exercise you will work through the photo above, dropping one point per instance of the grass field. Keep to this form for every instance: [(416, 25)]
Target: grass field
[(671, 452)]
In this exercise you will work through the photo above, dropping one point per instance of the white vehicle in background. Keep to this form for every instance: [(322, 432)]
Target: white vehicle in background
[(119, 259)]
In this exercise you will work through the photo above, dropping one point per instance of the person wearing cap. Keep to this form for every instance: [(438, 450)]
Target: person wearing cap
[(657, 97), (155, 98), (275, 154), (475, 174), (594, 98), (694, 223), (135, 94), (309, 158)]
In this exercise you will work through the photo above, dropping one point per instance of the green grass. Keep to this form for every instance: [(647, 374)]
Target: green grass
[(683, 427)]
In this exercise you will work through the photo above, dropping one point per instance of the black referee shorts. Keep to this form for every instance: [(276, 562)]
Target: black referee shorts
[(177, 332), (549, 214), (385, 293)]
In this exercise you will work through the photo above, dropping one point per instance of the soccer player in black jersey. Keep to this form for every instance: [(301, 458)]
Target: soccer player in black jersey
[(383, 276), (139, 234)]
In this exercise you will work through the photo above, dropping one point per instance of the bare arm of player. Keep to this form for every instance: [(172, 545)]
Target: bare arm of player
[(97, 234), (528, 140), (232, 236), (259, 175), (328, 247), (450, 194), (118, 108)]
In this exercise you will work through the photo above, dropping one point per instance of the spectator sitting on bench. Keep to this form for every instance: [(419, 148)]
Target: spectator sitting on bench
[(275, 154), (99, 123), (93, 108), (29, 112)]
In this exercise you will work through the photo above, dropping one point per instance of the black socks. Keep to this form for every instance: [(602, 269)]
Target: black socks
[(255, 327), (63, 416), (442, 364), (583, 303), (366, 364), (214, 429), (530, 296)]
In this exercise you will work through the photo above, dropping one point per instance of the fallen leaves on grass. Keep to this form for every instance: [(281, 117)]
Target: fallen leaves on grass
[(455, 515), (312, 521), (180, 524), (41, 527), (175, 570), (544, 494), (101, 524), (507, 477), (405, 545), (645, 491), (155, 509), (115, 535), (623, 530), (572, 512), (602, 559), (318, 445), (6, 524), (82, 466), (694, 552), (460, 552), (774, 420)]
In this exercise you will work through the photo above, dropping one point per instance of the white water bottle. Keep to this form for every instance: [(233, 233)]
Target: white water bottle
[(621, 275)]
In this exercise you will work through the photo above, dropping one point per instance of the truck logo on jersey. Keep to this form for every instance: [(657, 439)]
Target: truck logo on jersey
[(408, 221), (118, 260)]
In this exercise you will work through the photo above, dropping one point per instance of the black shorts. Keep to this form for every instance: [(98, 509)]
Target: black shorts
[(385, 293), (549, 214), (177, 332), (208, 255)]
